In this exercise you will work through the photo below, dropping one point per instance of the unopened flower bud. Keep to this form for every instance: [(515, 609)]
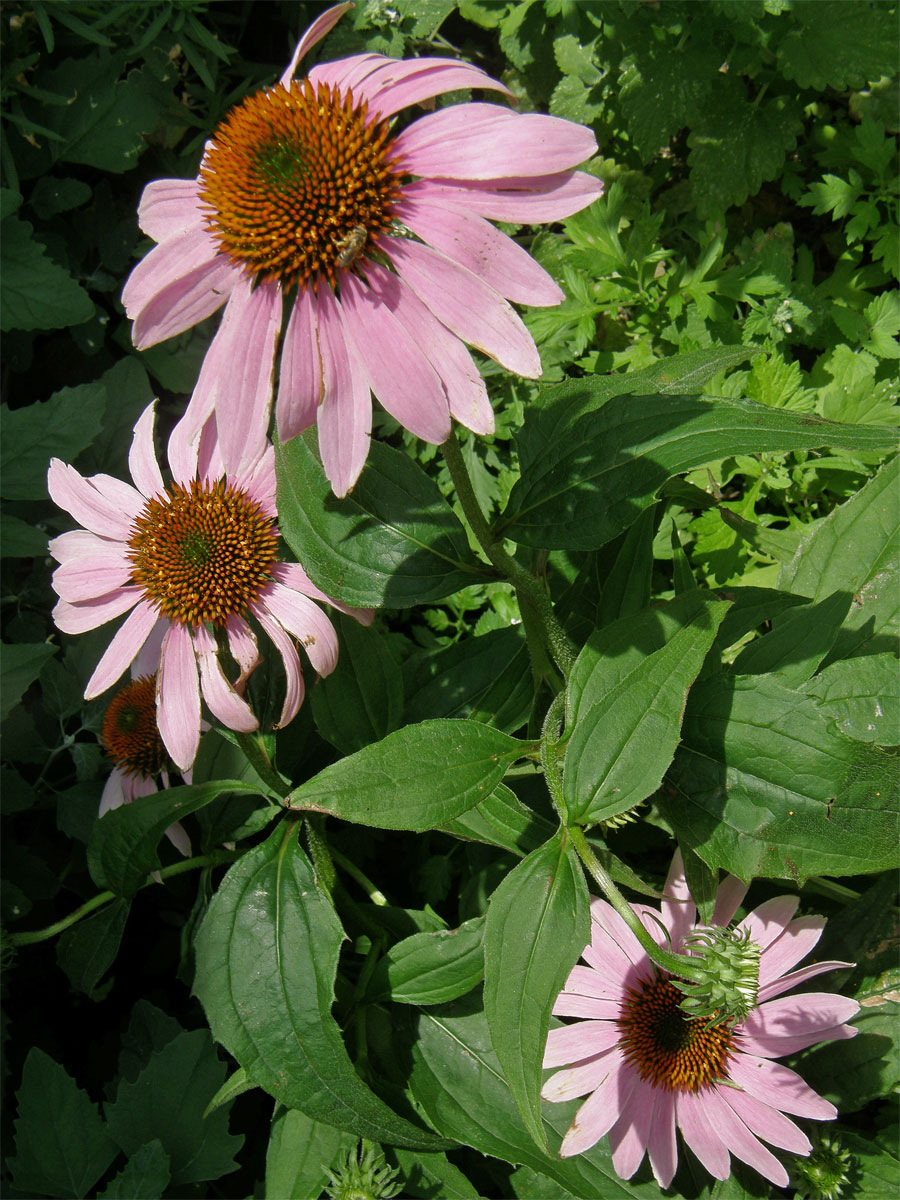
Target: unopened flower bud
[(727, 991)]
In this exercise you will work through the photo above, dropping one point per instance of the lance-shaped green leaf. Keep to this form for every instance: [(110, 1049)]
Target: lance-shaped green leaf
[(267, 955), (431, 968), (122, 849), (300, 1153), (862, 695), (86, 951), (393, 542), (417, 778), (586, 479), (538, 923), (799, 640), (621, 745), (764, 784), (502, 820)]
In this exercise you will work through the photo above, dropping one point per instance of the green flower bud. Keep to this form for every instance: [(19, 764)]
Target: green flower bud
[(727, 991)]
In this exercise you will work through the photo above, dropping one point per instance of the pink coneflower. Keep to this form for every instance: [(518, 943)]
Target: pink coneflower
[(646, 1068), (195, 559), (131, 738), (373, 248)]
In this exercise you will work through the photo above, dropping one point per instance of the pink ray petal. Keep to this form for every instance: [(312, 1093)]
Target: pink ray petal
[(778, 1087), (142, 461), (222, 700), (122, 650), (322, 25), (79, 618), (259, 483), (306, 621), (528, 199), (398, 372), (784, 984), (169, 208), (300, 378), (601, 1109), (677, 909), (617, 930), (573, 1004), (798, 940), (729, 897), (395, 85), (740, 1141), (701, 1135), (465, 304), (770, 920), (582, 1079), (177, 835), (113, 795), (662, 1148), (786, 1026), (244, 649), (584, 1039), (629, 1136), (295, 687), (345, 415), (147, 661), (347, 74), (250, 327), (178, 697), (473, 243), (80, 543), (91, 577), (86, 503), (766, 1122), (467, 141), (293, 576), (120, 494)]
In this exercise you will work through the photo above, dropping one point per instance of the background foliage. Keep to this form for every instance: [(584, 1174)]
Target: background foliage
[(749, 224)]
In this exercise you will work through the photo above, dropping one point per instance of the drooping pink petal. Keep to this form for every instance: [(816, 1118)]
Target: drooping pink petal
[(465, 304), (798, 940), (91, 577), (473, 243), (677, 909), (113, 795), (461, 379), (398, 372), (178, 697), (258, 481), (700, 1134), (610, 961), (785, 1026), (90, 508), (784, 984), (223, 701), (177, 835), (469, 141), (295, 687), (778, 1087), (250, 329), (322, 25), (766, 1122), (740, 1141), (306, 621), (345, 415), (147, 661), (169, 208), (628, 1137), (599, 1112), (79, 618), (142, 461), (394, 84), (769, 921), (527, 199), (293, 576), (729, 897), (617, 930), (300, 377), (662, 1148), (584, 1039), (122, 650), (244, 650)]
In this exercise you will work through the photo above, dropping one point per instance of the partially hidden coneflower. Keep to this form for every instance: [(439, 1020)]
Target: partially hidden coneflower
[(191, 562), (370, 249), (648, 1069)]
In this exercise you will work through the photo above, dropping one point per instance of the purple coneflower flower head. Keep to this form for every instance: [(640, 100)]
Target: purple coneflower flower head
[(371, 249), (190, 562), (647, 1069)]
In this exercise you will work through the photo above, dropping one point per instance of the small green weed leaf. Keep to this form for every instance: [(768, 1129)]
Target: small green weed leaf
[(763, 784), (122, 849), (144, 1177), (431, 968), (37, 292), (839, 45), (65, 1156), (167, 1102), (267, 956), (361, 701), (661, 90), (623, 741), (235, 1085), (417, 778), (862, 695), (538, 923), (87, 950), (300, 1153), (20, 665), (393, 542)]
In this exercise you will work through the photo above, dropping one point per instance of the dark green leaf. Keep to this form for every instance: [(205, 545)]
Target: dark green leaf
[(417, 778), (839, 45), (87, 950), (431, 968), (61, 427), (502, 820), (427, 1176), (799, 640), (122, 849), (149, 1030), (626, 589), (267, 956), (538, 923), (591, 465), (52, 195), (877, 1164), (167, 1102), (853, 1073), (300, 1153), (20, 665), (121, 394), (361, 701), (144, 1177), (64, 1156), (18, 539), (863, 696), (393, 542), (37, 292)]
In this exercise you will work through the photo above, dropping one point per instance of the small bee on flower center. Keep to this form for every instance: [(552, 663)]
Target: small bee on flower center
[(351, 246)]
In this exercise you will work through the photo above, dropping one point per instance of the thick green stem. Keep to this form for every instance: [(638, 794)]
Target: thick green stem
[(551, 756), (322, 854), (676, 964), (530, 592), (375, 896)]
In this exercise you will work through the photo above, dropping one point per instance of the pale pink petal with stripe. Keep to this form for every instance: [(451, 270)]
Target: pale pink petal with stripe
[(294, 685), (306, 621), (300, 378), (142, 460), (79, 618), (122, 650), (88, 505), (528, 199), (169, 208), (178, 697), (345, 416), (221, 698)]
